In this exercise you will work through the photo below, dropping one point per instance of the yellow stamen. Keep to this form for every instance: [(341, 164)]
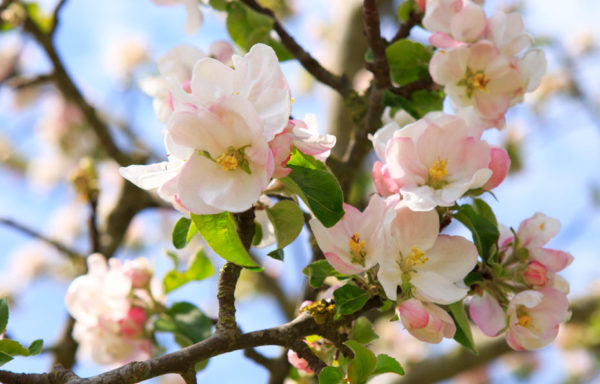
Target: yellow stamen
[(227, 161), (542, 226), (357, 248), (416, 257), (480, 82), (524, 320), (438, 170)]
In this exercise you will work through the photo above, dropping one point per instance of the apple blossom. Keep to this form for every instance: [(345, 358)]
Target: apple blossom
[(425, 321), (110, 311), (534, 318), (303, 135), (355, 243), (454, 22), (431, 265), (435, 160), (507, 31), (194, 14), (477, 75), (256, 77), (174, 67), (486, 312)]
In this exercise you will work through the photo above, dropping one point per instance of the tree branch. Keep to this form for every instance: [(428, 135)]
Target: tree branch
[(414, 18), (73, 255), (379, 67), (339, 83)]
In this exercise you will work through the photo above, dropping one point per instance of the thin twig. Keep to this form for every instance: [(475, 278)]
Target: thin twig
[(414, 18), (55, 18), (35, 234), (339, 83)]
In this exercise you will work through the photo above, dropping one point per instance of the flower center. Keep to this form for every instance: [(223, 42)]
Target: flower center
[(357, 249), (524, 320), (475, 81), (437, 173), (542, 226), (438, 170), (227, 161), (416, 257), (231, 159)]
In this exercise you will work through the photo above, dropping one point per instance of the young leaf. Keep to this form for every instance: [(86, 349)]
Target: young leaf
[(288, 220), (219, 231), (408, 61), (200, 269), (485, 211), (363, 331), (404, 9), (13, 348), (317, 272), (318, 188), (186, 322), (276, 254), (248, 27), (420, 102), (485, 233), (3, 314), (36, 347), (181, 232), (463, 329), (349, 299), (331, 375), (4, 358), (387, 364), (363, 364)]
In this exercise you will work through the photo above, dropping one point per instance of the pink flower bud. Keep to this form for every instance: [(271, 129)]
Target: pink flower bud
[(425, 321), (499, 164), (133, 325), (536, 274), (298, 362), (221, 50)]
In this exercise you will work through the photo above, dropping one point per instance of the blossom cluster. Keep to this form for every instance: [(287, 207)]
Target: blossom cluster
[(528, 300), (228, 129), (427, 165), (112, 306), (483, 63)]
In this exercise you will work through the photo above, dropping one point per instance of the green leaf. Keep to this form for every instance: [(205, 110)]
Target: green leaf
[(363, 331), (420, 103), (3, 314), (408, 61), (4, 358), (330, 375), (13, 348), (43, 21), (183, 231), (404, 10), (258, 234), (200, 268), (186, 322), (350, 298), (220, 233), (363, 364), (387, 364), (463, 328), (219, 5), (316, 186), (287, 219), (485, 233), (485, 211), (317, 272), (36, 347), (276, 254), (248, 27)]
